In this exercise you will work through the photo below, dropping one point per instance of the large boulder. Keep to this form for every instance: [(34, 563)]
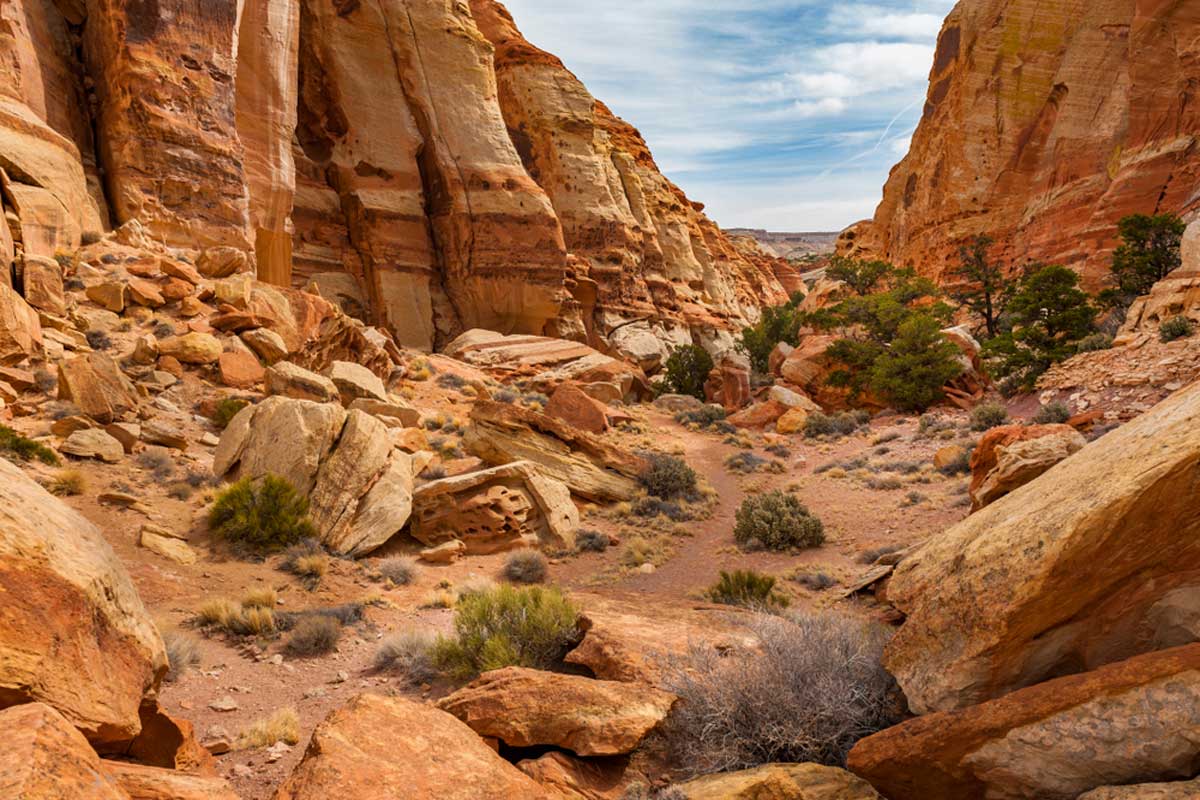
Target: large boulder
[(496, 509), (501, 433), (151, 783), (42, 757), (1133, 721), (532, 708), (20, 331), (575, 407), (97, 385), (1095, 561), (780, 782), (728, 385), (286, 379), (358, 484), (377, 747), (1010, 456), (73, 631), (1174, 790)]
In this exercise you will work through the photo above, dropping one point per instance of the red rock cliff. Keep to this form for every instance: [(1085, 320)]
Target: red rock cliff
[(1045, 123), (416, 159)]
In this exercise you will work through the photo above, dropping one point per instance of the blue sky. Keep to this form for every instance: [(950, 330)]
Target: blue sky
[(779, 114)]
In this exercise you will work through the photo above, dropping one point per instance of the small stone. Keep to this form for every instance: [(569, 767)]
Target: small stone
[(224, 705)]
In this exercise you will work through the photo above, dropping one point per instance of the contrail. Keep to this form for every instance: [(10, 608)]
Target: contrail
[(878, 144)]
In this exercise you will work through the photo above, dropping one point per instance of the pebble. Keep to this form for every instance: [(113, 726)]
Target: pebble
[(224, 704)]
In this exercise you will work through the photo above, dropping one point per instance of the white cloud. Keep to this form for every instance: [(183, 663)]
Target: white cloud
[(861, 20)]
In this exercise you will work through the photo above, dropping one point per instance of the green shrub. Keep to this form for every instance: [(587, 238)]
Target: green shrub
[(986, 416), (1150, 250), (265, 515), (1052, 414), (777, 324), (842, 424), (226, 410), (704, 417), (591, 541), (314, 636), (1094, 342), (525, 566), (24, 449), (508, 626), (1175, 328), (748, 589), (668, 477), (777, 521), (686, 371), (910, 374)]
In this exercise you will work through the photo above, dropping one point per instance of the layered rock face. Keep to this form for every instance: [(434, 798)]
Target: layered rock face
[(418, 161), (1044, 124)]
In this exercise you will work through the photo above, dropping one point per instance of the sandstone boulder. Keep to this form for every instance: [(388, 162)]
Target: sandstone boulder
[(151, 783), (575, 407), (222, 262), (108, 294), (501, 433), (792, 422), (780, 782), (578, 778), (44, 285), (759, 415), (497, 509), (192, 348), (1175, 790), (42, 757), (280, 436), (95, 384), (240, 370), (1132, 721), (73, 631), (20, 331), (391, 747), (354, 381), (288, 380), (808, 368), (394, 413), (266, 344), (1090, 563), (527, 708), (93, 443), (1011, 456), (677, 403), (728, 385)]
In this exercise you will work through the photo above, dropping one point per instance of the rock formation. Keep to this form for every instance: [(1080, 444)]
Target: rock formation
[(418, 162), (1044, 125)]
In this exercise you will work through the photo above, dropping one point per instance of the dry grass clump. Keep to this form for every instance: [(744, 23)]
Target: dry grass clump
[(183, 653), (314, 635), (67, 483), (282, 726), (260, 598), (813, 687), (410, 654), (238, 619), (525, 566), (400, 570)]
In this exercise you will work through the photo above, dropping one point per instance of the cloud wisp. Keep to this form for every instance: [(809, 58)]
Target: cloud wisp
[(784, 114)]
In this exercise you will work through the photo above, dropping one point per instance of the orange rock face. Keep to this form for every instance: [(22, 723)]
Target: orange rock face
[(1044, 124)]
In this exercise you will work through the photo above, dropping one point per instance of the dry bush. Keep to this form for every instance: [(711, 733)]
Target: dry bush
[(813, 687), (399, 570), (311, 567), (282, 726), (183, 653), (67, 483), (254, 621), (525, 566), (260, 598), (314, 636), (409, 654), (230, 617), (217, 613)]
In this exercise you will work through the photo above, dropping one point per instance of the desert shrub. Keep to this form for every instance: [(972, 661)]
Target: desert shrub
[(842, 424), (650, 507), (67, 483), (314, 635), (871, 556), (399, 570), (640, 791), (960, 464), (668, 477), (590, 541), (508, 626), (649, 549), (505, 396), (777, 521), (986, 416), (262, 516), (748, 589), (409, 654), (687, 370), (260, 598), (811, 689), (25, 449), (744, 463), (180, 490), (1094, 342), (98, 340), (913, 499), (777, 324), (226, 410), (1175, 328), (525, 566), (282, 726), (342, 613), (1052, 413), (814, 581), (448, 380), (217, 613), (779, 450), (887, 483), (253, 621), (919, 362), (159, 461), (183, 653), (705, 417)]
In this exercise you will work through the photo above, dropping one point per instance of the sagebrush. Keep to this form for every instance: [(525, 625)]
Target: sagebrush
[(777, 521), (261, 515)]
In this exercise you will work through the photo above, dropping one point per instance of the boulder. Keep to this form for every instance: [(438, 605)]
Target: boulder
[(759, 415), (947, 455), (1093, 562), (288, 380), (777, 356), (502, 433), (152, 783), (728, 384), (92, 443), (677, 403), (168, 742), (445, 553), (808, 368), (289, 438), (145, 293), (1175, 790), (792, 422), (180, 271), (163, 433), (792, 399), (95, 384), (73, 631), (357, 752), (497, 509), (392, 411), (780, 782), (266, 344), (109, 295), (1012, 455), (192, 348), (1133, 721), (168, 547), (578, 778), (221, 262), (575, 407), (44, 285), (354, 381), (532, 708), (240, 370), (42, 757), (20, 331)]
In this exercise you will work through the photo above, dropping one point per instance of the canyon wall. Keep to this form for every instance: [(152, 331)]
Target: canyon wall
[(416, 160), (1044, 124)]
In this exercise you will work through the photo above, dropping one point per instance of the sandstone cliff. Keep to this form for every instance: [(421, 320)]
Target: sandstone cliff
[(419, 161), (1044, 124)]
